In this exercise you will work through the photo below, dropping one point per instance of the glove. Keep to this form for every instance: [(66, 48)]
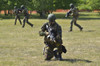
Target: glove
[(41, 33)]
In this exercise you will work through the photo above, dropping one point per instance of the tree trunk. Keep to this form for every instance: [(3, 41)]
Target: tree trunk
[(42, 13), (5, 12)]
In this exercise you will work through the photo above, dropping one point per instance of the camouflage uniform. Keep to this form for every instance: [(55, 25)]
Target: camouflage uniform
[(75, 13), (17, 16), (49, 53), (26, 17), (53, 39)]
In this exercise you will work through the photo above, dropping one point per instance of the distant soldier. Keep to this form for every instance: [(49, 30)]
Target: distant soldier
[(26, 16), (17, 16), (75, 13), (53, 39)]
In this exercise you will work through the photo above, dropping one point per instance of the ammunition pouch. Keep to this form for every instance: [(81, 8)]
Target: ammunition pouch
[(64, 49)]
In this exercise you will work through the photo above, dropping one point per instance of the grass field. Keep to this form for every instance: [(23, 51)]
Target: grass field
[(23, 46)]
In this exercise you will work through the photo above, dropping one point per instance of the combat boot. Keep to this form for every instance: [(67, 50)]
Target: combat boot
[(55, 55), (70, 30), (32, 25), (81, 28), (60, 56)]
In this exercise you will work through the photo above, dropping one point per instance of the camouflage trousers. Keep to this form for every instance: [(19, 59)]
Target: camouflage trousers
[(75, 23), (17, 17), (26, 20), (49, 50)]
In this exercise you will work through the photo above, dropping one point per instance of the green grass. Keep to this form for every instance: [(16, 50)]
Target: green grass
[(23, 46)]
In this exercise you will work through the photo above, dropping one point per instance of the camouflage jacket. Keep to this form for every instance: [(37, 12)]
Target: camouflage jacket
[(16, 11), (74, 11), (25, 12), (57, 32)]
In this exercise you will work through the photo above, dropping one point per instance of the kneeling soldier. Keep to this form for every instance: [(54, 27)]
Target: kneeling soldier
[(53, 38)]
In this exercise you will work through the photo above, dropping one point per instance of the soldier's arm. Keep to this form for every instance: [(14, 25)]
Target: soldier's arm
[(68, 13), (43, 31), (19, 10), (13, 11), (59, 33)]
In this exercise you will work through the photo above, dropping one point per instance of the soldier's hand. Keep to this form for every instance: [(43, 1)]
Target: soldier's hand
[(41, 33), (66, 16), (47, 33)]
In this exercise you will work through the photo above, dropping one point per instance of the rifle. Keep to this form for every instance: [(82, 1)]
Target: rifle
[(51, 35), (68, 14)]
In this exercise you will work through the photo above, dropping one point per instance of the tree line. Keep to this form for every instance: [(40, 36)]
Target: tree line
[(46, 6)]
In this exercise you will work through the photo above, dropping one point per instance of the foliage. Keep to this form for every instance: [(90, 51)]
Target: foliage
[(95, 4), (89, 4), (44, 7)]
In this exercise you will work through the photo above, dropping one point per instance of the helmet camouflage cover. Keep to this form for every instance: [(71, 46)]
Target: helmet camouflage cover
[(51, 17), (71, 5), (22, 6)]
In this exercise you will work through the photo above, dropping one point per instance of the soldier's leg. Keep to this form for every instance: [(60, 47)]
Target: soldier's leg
[(49, 53), (23, 23), (15, 20), (29, 22), (55, 54), (78, 25), (59, 52), (71, 25), (19, 20)]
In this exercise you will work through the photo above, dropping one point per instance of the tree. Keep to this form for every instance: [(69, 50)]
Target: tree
[(43, 6), (95, 4), (64, 4)]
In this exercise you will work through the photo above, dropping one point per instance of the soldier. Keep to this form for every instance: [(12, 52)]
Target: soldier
[(16, 12), (53, 39), (26, 16), (75, 14)]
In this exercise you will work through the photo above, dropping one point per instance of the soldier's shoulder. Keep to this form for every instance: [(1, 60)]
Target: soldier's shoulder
[(70, 9), (45, 24), (58, 24), (75, 8)]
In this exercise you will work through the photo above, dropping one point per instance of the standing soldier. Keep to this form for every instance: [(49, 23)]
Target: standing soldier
[(53, 39), (26, 16), (16, 12), (74, 11)]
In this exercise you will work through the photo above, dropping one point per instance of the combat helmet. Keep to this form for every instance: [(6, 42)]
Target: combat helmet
[(51, 17), (71, 5), (22, 6)]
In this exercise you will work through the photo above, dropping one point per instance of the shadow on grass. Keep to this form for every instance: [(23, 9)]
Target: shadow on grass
[(81, 18), (90, 30), (76, 60), (89, 19)]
